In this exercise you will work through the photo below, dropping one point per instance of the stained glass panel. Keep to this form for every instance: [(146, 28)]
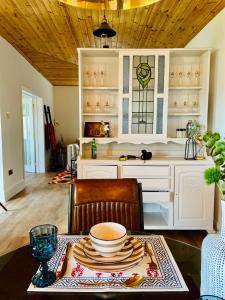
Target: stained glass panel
[(143, 83)]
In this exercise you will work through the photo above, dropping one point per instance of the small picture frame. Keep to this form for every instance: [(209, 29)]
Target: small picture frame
[(96, 129)]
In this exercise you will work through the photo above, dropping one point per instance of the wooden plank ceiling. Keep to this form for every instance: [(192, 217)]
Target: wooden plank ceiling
[(47, 32)]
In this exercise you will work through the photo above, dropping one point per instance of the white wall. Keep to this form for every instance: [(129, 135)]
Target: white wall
[(213, 36), (66, 111), (15, 73)]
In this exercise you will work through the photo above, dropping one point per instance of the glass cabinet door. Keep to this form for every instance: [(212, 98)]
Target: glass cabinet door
[(144, 94)]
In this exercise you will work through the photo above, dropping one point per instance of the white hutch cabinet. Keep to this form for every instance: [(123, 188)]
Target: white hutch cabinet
[(143, 96)]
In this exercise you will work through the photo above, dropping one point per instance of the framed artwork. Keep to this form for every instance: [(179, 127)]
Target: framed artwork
[(96, 129)]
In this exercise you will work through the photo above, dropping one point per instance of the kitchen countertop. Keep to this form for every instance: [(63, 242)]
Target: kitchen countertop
[(154, 161)]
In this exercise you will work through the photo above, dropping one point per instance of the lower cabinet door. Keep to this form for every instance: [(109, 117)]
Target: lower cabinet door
[(98, 172), (193, 199)]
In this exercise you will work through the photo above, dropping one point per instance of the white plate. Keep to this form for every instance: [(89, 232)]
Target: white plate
[(125, 252), (127, 263)]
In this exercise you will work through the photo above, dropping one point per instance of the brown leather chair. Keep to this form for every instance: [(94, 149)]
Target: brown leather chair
[(105, 200)]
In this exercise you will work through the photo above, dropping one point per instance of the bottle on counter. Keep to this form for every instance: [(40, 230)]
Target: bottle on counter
[(93, 149)]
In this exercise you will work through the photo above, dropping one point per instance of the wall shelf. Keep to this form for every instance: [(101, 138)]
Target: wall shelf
[(100, 88)]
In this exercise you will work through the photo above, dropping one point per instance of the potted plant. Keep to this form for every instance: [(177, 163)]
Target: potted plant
[(213, 246), (215, 148)]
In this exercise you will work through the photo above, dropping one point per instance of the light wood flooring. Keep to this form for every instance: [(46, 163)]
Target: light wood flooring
[(38, 203), (41, 203)]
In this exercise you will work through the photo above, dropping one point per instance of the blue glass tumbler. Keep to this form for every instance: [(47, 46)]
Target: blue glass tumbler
[(43, 243)]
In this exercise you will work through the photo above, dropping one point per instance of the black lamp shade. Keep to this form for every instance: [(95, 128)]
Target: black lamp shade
[(104, 30)]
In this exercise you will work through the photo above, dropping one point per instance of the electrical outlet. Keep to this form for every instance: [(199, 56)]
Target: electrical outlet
[(10, 171)]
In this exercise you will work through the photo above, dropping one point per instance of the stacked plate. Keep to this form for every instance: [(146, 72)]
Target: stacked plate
[(130, 255)]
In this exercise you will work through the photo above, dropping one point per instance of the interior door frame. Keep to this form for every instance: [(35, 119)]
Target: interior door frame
[(28, 132), (39, 140)]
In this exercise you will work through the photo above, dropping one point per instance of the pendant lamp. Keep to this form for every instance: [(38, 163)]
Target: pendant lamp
[(104, 32)]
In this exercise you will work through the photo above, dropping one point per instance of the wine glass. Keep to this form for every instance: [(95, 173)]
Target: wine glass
[(188, 74), (196, 74), (87, 76), (108, 104), (172, 75), (98, 106), (87, 104), (43, 244), (94, 76), (180, 75), (101, 74)]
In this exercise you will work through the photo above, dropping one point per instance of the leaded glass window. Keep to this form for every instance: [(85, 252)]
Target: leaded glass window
[(143, 82)]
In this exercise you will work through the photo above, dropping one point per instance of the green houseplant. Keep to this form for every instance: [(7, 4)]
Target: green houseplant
[(215, 147)]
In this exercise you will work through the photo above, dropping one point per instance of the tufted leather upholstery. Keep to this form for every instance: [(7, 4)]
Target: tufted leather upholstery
[(105, 200)]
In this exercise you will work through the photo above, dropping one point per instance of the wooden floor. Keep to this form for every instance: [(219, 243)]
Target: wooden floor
[(41, 203)]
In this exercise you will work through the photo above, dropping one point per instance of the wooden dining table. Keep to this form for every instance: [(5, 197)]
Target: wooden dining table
[(17, 268)]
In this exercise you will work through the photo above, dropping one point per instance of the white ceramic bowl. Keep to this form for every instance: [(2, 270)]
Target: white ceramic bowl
[(108, 238)]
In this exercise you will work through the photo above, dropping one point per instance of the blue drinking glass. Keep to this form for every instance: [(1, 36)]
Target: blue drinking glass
[(43, 243)]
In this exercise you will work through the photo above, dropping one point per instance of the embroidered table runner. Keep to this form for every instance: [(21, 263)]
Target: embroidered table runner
[(163, 278)]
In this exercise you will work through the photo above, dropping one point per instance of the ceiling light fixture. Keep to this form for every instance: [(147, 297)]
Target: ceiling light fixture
[(104, 32), (108, 4)]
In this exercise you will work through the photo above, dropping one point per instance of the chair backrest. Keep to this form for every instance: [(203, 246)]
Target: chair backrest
[(105, 200)]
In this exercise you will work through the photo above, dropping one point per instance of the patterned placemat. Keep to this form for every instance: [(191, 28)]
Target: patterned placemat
[(167, 276)]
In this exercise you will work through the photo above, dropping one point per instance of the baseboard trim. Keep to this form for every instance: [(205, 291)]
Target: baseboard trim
[(13, 190)]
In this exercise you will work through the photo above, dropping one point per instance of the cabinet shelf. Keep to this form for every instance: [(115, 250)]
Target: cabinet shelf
[(183, 114), (154, 219), (181, 141), (185, 87), (101, 140), (100, 114), (100, 88)]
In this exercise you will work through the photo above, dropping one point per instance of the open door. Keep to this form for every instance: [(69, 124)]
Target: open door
[(28, 132)]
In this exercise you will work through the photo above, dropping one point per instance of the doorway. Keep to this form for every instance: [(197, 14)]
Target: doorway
[(33, 133)]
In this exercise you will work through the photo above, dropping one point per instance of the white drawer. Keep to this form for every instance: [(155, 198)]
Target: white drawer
[(99, 172), (154, 184), (146, 171), (155, 197)]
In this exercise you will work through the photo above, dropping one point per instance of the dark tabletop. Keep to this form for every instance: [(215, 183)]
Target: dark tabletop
[(17, 268)]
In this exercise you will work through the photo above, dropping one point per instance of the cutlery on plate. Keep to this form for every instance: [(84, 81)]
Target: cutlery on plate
[(130, 282), (152, 264), (65, 262)]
